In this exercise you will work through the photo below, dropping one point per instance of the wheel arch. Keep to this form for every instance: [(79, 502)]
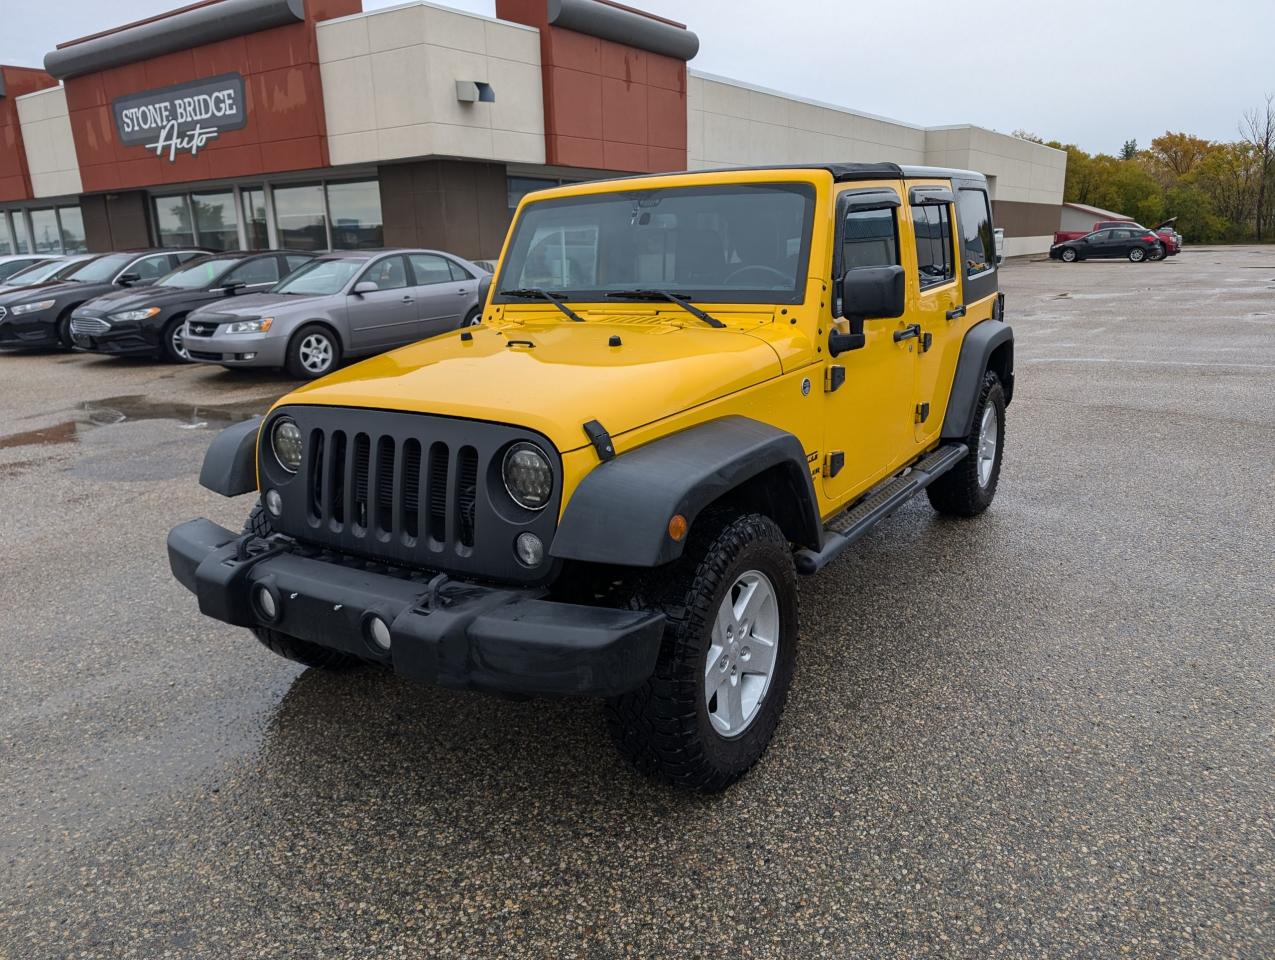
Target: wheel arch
[(988, 345), (734, 460)]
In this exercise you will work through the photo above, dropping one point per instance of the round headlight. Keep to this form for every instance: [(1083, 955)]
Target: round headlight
[(285, 440), (528, 476)]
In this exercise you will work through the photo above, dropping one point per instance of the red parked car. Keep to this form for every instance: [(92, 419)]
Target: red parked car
[(1170, 239)]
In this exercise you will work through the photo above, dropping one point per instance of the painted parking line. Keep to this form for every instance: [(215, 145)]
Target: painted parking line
[(1152, 363)]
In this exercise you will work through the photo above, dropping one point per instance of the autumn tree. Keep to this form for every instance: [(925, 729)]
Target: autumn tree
[(1176, 154), (1258, 130)]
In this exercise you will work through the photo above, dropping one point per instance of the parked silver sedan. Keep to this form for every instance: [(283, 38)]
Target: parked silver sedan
[(342, 304)]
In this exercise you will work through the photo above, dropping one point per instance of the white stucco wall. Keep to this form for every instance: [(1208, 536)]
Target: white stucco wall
[(389, 86), (47, 140)]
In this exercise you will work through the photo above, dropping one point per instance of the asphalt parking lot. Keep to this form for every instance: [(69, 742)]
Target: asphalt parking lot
[(1043, 733)]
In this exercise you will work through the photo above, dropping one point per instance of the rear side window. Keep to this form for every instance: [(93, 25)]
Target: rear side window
[(932, 224), (978, 246), (430, 268), (870, 240), (459, 272), (261, 270)]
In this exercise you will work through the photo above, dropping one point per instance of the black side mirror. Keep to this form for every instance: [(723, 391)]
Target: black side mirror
[(867, 293), (484, 291), (128, 279), (233, 287)]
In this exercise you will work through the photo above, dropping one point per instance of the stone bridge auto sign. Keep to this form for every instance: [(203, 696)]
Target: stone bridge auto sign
[(181, 118)]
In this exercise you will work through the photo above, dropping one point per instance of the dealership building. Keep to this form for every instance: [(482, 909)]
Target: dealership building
[(312, 124)]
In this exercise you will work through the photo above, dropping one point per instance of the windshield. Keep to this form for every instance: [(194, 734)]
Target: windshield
[(321, 277), (730, 243), (198, 276), (102, 269)]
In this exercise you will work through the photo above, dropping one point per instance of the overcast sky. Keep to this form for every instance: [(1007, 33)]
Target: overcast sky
[(1092, 72)]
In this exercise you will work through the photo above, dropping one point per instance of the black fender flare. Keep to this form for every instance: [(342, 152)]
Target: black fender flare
[(230, 465), (981, 341), (620, 512)]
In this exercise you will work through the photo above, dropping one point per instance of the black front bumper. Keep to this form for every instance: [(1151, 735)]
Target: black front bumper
[(459, 635), (122, 340)]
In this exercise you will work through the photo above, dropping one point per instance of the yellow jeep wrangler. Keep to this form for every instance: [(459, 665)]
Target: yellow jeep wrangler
[(685, 391)]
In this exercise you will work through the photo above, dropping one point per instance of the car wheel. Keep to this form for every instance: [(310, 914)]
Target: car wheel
[(1137, 255), (969, 488), (63, 331), (711, 707), (1069, 255), (473, 319), (313, 352), (172, 345)]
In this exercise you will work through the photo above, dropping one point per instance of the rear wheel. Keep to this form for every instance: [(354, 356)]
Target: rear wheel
[(288, 647), (1069, 255), (1137, 255), (313, 352), (711, 707), (172, 343), (969, 488)]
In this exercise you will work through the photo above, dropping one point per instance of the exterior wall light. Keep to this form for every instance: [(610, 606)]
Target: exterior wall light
[(473, 91)]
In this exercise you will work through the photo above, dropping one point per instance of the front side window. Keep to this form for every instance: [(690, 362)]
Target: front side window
[(198, 276), (730, 243), (102, 269), (869, 238), (320, 277), (254, 272), (387, 274), (932, 225), (978, 245)]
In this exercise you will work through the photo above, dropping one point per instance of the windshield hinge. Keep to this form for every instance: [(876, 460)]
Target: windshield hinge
[(600, 439)]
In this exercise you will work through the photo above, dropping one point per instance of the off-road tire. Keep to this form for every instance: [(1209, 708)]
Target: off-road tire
[(291, 648), (958, 492), (663, 726)]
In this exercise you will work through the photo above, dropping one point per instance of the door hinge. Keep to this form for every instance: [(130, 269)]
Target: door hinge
[(836, 460), (927, 341), (833, 378), (922, 412)]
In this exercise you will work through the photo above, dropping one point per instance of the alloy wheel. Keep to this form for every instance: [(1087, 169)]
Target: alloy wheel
[(741, 654), (988, 436), (316, 353)]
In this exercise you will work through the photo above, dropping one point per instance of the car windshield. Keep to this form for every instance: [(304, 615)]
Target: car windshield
[(102, 269), (321, 277), (198, 276), (729, 243)]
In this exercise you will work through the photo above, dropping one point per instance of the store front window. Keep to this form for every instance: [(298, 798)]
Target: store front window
[(6, 235), (173, 222), (216, 225), (44, 230), (21, 239), (300, 218), (72, 223), (356, 215), (256, 231)]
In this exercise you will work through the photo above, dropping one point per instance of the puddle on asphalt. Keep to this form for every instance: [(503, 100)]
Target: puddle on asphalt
[(91, 414)]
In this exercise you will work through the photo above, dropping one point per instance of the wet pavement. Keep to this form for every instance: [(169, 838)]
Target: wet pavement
[(1047, 732)]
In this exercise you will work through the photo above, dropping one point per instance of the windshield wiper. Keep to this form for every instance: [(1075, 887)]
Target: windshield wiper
[(535, 293), (681, 301)]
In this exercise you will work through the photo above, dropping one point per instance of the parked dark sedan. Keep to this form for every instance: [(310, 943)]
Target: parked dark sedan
[(39, 315), (1136, 243), (150, 320)]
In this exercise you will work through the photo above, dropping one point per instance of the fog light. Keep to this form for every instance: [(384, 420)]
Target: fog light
[(247, 356), (379, 631), (530, 549), (274, 502), (266, 603)]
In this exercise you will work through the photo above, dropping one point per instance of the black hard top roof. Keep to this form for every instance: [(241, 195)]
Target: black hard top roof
[(847, 171)]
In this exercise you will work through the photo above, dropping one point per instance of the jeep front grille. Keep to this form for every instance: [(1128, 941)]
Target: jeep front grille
[(408, 489)]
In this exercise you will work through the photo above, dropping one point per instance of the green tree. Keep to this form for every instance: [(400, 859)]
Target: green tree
[(1129, 150)]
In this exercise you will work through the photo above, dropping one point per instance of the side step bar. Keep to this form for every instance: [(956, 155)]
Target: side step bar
[(851, 525)]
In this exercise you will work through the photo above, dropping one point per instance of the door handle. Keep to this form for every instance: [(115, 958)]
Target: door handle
[(462, 293), (409, 299), (956, 313), (907, 333)]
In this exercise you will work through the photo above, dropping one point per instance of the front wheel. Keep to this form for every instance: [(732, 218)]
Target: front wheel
[(1137, 255), (313, 352), (1069, 255), (711, 707), (172, 342), (968, 488)]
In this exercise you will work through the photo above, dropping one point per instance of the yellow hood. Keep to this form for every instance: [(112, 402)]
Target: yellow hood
[(570, 376)]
